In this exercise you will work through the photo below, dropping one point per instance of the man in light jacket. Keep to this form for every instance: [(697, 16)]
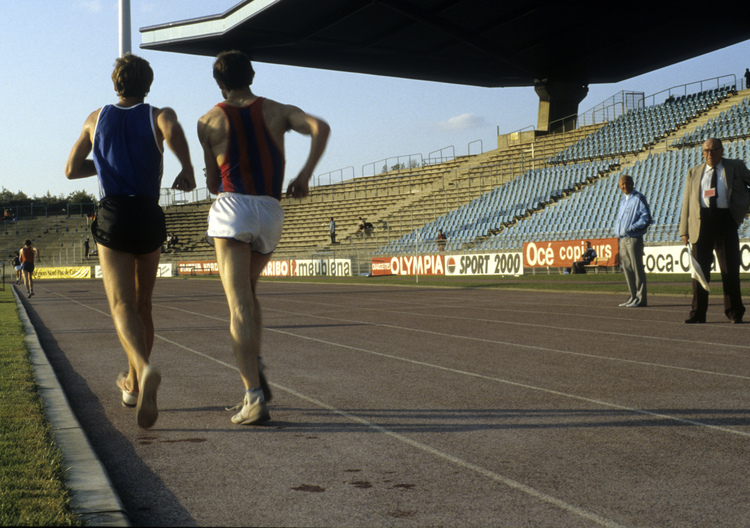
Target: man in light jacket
[(633, 220), (714, 205)]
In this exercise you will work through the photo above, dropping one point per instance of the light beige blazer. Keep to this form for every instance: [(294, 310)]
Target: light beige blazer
[(738, 181)]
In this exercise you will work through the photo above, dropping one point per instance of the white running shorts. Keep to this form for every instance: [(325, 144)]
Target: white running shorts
[(256, 220)]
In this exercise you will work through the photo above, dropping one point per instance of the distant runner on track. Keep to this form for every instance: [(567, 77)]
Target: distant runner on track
[(27, 255)]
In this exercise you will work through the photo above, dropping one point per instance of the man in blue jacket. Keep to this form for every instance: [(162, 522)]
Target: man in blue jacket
[(633, 220)]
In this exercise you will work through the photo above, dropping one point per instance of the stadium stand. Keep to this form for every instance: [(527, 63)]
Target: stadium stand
[(572, 199), (554, 187), (732, 124), (640, 128), (501, 207), (58, 238)]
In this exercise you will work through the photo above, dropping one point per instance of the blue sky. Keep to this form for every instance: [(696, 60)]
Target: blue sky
[(58, 57)]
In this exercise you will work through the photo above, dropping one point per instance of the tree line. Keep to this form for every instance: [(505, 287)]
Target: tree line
[(54, 204)]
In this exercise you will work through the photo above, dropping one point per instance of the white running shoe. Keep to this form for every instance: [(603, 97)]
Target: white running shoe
[(129, 398), (146, 411), (267, 394), (252, 412)]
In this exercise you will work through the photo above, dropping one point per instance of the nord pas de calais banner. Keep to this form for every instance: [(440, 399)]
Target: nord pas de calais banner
[(80, 272)]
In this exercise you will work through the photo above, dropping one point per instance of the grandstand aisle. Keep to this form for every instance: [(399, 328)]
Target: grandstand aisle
[(396, 406)]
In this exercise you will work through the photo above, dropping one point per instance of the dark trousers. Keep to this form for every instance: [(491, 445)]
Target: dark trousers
[(718, 232)]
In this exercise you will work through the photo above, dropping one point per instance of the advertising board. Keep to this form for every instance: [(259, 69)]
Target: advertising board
[(562, 253)]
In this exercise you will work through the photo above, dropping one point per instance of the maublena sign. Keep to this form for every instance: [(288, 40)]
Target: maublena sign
[(321, 268)]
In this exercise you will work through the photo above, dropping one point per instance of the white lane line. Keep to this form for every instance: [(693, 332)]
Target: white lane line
[(514, 484), (107, 314), (518, 345), (532, 325), (506, 343), (494, 342), (512, 323), (424, 447), (469, 466), (492, 378), (524, 386)]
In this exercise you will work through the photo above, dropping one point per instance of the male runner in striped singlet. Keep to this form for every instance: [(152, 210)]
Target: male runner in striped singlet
[(127, 140), (243, 145)]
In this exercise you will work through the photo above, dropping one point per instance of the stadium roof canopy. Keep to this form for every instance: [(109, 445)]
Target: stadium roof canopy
[(489, 43)]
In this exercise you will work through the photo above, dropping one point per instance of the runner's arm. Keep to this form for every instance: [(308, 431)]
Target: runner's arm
[(175, 137), (318, 130), (78, 166), (213, 179)]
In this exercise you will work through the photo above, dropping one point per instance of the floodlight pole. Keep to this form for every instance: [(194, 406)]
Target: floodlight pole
[(124, 17)]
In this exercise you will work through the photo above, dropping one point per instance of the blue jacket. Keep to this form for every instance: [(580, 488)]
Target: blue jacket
[(634, 216)]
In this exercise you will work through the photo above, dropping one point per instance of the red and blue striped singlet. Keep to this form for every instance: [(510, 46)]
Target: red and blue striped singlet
[(253, 163)]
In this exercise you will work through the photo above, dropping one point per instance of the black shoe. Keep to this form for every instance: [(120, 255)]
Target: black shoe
[(695, 320), (264, 386), (263, 382), (737, 320)]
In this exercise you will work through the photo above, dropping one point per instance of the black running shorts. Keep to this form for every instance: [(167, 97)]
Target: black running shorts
[(132, 224)]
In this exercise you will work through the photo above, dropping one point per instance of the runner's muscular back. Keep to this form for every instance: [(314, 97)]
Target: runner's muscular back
[(162, 116), (279, 118), (212, 128)]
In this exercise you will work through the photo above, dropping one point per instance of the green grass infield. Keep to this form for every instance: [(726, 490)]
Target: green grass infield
[(32, 477)]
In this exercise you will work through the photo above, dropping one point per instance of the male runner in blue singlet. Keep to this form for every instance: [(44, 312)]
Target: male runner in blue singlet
[(127, 140)]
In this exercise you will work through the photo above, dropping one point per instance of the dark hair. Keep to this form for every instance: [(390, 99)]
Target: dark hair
[(27, 243), (132, 76), (233, 69)]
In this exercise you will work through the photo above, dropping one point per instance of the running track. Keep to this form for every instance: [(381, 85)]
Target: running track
[(400, 406)]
